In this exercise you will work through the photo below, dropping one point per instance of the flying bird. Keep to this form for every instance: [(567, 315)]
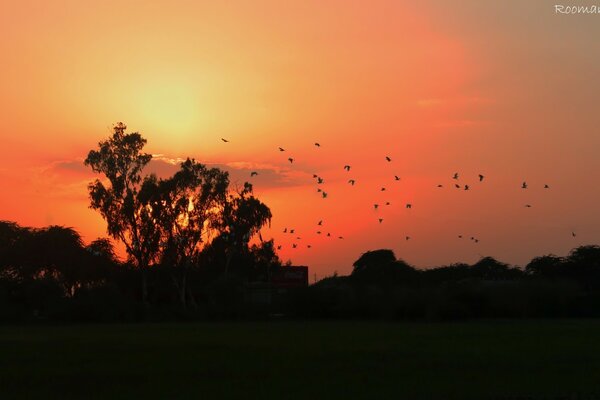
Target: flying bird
[(225, 140), (546, 187), (456, 185), (408, 205), (292, 230), (476, 240), (279, 247), (455, 175), (383, 189), (380, 220), (388, 158), (460, 236), (317, 144), (340, 237), (253, 173), (281, 149), (528, 205), (573, 234), (318, 232), (320, 222), (466, 187), (284, 230), (324, 194), (352, 182), (376, 206), (481, 177), (315, 176), (294, 246), (347, 167), (291, 160), (408, 238), (309, 246), (387, 203), (319, 190), (440, 185), (328, 234), (396, 177), (319, 180), (524, 185)]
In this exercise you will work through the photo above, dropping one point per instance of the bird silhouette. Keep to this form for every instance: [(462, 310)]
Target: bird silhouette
[(328, 234), (324, 194), (396, 177), (318, 232), (291, 160), (455, 175), (376, 206), (347, 167), (319, 180), (408, 205), (281, 149), (573, 234), (387, 203), (528, 205), (546, 187), (340, 237), (225, 140), (456, 185), (279, 247), (294, 246), (460, 236), (352, 182), (524, 185), (383, 189), (319, 190), (388, 158), (284, 230), (308, 246), (440, 185), (320, 222), (317, 144), (380, 220), (466, 187), (292, 230), (253, 173), (315, 176), (481, 177), (476, 240), (408, 238)]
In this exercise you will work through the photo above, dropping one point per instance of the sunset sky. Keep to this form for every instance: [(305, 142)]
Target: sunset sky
[(508, 89)]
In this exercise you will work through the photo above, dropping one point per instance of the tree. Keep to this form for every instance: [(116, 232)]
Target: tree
[(243, 217), (187, 208), (120, 200)]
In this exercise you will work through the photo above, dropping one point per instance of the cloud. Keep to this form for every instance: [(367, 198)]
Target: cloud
[(69, 178)]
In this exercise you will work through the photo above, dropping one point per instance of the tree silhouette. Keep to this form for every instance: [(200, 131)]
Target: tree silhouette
[(186, 208), (123, 203)]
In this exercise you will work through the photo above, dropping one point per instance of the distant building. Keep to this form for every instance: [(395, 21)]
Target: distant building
[(274, 292)]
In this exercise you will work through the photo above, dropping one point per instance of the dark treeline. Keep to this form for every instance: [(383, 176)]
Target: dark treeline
[(382, 286), (49, 274)]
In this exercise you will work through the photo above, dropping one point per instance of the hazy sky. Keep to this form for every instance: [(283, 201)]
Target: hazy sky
[(508, 89)]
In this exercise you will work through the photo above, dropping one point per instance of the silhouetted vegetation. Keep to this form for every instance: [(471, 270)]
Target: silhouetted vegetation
[(50, 274), (190, 253)]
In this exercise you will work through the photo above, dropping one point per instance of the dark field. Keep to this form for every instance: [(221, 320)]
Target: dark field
[(488, 359)]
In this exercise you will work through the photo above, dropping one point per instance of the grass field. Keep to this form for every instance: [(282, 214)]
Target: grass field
[(293, 360)]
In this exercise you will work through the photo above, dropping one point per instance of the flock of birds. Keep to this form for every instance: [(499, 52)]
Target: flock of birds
[(351, 181)]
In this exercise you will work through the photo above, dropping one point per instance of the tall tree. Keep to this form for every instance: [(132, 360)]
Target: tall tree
[(243, 217), (120, 199), (187, 208)]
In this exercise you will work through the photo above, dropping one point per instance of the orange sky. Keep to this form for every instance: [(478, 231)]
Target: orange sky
[(509, 90)]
